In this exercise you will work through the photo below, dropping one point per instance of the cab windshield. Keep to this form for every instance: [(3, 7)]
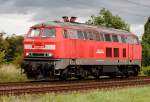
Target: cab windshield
[(46, 32), (49, 32), (34, 33)]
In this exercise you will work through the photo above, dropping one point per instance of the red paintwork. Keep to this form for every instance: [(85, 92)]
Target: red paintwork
[(82, 49)]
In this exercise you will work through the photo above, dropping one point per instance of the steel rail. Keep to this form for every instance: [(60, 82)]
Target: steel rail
[(65, 86)]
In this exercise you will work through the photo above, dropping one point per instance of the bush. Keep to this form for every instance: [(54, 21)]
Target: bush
[(10, 73), (18, 60), (146, 70), (2, 55)]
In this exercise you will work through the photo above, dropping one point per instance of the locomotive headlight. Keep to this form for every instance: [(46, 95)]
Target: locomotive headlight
[(50, 54), (27, 46), (27, 54), (50, 47)]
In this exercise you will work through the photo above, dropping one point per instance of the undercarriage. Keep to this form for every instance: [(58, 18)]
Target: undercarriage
[(37, 70)]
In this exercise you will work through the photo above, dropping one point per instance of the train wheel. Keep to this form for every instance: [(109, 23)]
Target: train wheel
[(112, 75), (126, 75), (29, 75), (82, 74), (136, 72), (63, 74), (96, 77), (34, 74), (96, 73)]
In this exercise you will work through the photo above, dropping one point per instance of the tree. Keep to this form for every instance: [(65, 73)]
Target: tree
[(11, 48), (3, 47), (146, 44), (15, 47), (3, 43), (2, 57), (107, 19)]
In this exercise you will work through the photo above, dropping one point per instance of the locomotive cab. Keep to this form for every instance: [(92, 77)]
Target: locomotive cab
[(39, 52), (40, 42)]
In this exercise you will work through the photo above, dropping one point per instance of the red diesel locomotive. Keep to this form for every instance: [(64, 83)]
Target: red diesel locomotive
[(69, 49)]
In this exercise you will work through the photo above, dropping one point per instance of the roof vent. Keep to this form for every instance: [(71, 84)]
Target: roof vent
[(65, 18), (73, 19)]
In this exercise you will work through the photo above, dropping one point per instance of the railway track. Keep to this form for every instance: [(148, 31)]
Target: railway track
[(65, 86)]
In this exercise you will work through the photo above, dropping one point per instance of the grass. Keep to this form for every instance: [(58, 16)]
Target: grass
[(146, 70), (10, 73), (141, 94)]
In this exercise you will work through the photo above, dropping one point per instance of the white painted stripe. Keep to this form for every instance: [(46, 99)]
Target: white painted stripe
[(99, 52)]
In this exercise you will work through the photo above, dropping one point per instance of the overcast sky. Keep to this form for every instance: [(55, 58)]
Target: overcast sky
[(16, 16)]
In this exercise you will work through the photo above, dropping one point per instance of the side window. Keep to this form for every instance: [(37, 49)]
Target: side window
[(94, 35), (65, 33), (85, 35), (124, 52), (115, 38), (80, 35), (73, 34), (90, 35), (116, 52), (97, 35), (107, 37), (101, 36), (130, 40), (108, 52), (123, 39)]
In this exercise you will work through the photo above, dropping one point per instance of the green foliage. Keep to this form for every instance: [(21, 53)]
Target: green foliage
[(11, 48), (15, 47), (2, 56), (146, 44), (10, 51), (3, 43), (146, 70), (18, 59), (107, 19)]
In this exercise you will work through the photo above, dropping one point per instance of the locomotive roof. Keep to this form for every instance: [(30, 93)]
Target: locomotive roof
[(81, 26)]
